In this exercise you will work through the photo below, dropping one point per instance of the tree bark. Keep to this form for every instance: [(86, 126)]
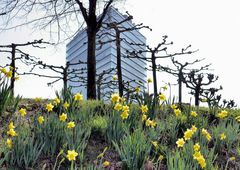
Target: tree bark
[(180, 77), (197, 94), (91, 63), (119, 63), (99, 92), (12, 84), (65, 82), (154, 67)]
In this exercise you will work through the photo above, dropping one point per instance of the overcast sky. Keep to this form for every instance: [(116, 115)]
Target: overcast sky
[(212, 26)]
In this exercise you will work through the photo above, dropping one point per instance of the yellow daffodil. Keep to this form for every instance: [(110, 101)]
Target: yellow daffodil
[(12, 132), (162, 97), (22, 112), (114, 77), (125, 108), (149, 80), (9, 143), (138, 89), (237, 118), (164, 88), (153, 123), (206, 134), (160, 158), (101, 155), (222, 114), (124, 115), (201, 160), (177, 112), (115, 97), (196, 147), (49, 107), (63, 117), (40, 119), (38, 99), (11, 125), (16, 77), (78, 97), (118, 107), (106, 164), (222, 136), (9, 74), (70, 125), (155, 144), (197, 154), (194, 128), (66, 105), (144, 108), (3, 70), (188, 134), (56, 101), (173, 106), (71, 155), (193, 114), (180, 142), (144, 117), (204, 100), (121, 99)]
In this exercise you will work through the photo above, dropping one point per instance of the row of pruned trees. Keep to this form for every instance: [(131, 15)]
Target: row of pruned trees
[(58, 14)]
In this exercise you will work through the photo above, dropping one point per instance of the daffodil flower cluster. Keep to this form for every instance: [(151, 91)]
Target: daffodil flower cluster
[(206, 134), (115, 98), (9, 73), (187, 136), (11, 130), (151, 123), (199, 157), (237, 118), (125, 112), (222, 114), (144, 109), (12, 133)]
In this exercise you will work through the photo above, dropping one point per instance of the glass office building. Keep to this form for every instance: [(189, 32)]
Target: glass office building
[(132, 69)]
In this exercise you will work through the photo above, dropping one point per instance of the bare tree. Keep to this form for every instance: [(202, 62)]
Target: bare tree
[(119, 28), (13, 49), (160, 51), (64, 73), (102, 82), (61, 13), (211, 96), (196, 82), (180, 71)]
